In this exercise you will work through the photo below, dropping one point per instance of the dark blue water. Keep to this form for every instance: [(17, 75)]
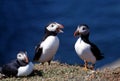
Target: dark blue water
[(22, 25)]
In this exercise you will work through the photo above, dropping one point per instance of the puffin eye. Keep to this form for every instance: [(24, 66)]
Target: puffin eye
[(19, 55), (84, 28), (52, 25)]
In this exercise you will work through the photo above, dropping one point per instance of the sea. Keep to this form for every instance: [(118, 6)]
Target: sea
[(22, 24)]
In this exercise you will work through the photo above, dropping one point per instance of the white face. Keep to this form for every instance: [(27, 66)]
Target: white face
[(22, 56), (81, 30), (84, 30), (55, 27)]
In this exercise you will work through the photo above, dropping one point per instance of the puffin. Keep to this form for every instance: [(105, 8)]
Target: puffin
[(47, 48), (85, 49), (18, 67)]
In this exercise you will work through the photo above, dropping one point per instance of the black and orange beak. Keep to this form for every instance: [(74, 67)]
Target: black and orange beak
[(59, 29)]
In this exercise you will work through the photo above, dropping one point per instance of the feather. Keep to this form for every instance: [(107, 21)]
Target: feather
[(96, 52), (38, 53)]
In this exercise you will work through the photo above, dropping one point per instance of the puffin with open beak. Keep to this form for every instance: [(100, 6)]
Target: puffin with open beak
[(86, 50), (45, 51)]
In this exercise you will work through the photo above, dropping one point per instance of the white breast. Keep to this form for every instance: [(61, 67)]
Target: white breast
[(25, 70), (84, 52), (50, 46)]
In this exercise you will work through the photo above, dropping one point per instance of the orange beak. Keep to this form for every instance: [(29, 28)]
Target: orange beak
[(26, 58), (76, 33)]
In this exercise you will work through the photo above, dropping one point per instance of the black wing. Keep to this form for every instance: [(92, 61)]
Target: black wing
[(38, 52), (96, 52)]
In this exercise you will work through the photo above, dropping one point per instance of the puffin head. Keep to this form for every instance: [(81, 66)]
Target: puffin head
[(22, 56), (55, 27), (82, 30)]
